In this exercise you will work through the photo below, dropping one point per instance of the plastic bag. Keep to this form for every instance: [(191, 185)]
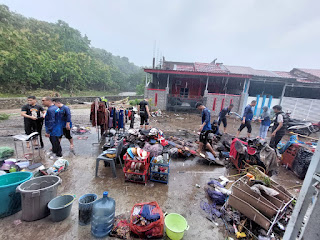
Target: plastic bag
[(217, 197), (6, 152), (121, 228), (152, 230)]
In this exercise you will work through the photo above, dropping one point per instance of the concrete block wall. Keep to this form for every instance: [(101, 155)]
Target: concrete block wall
[(161, 98), (210, 98), (13, 103)]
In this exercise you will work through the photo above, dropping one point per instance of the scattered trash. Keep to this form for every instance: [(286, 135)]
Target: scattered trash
[(78, 130), (82, 137), (198, 186), (17, 222)]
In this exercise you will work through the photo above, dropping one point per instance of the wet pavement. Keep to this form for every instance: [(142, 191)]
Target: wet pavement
[(180, 195)]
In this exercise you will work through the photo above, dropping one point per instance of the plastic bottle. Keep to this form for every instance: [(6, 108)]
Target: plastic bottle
[(103, 213)]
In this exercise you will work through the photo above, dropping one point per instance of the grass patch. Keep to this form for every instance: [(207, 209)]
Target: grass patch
[(89, 93), (135, 102), (44, 92), (4, 116), (11, 95)]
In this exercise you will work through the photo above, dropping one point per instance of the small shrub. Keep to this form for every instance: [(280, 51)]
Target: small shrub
[(135, 102), (4, 116)]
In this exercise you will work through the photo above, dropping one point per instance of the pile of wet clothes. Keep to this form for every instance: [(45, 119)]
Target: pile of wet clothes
[(121, 228), (154, 141), (144, 215), (181, 148), (251, 151)]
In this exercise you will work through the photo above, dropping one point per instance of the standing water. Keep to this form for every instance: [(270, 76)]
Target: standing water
[(103, 213)]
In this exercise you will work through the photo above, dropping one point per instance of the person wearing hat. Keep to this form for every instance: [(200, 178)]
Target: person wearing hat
[(223, 117), (204, 127)]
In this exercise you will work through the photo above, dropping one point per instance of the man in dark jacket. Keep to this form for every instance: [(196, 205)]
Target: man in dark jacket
[(279, 128), (33, 120), (144, 112), (204, 128), (53, 126), (223, 117)]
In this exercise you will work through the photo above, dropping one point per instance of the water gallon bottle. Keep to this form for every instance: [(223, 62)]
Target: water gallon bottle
[(103, 216)]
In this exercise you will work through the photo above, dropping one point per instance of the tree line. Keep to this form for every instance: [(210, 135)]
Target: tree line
[(38, 54)]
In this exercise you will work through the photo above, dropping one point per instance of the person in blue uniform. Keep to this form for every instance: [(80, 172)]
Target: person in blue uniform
[(204, 128), (65, 120), (247, 118), (53, 126)]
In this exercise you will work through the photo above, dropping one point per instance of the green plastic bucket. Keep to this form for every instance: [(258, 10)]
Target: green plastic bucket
[(175, 226), (10, 200)]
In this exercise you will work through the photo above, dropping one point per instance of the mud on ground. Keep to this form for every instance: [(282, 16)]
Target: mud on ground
[(180, 195)]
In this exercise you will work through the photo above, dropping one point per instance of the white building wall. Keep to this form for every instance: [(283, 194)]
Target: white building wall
[(302, 108)]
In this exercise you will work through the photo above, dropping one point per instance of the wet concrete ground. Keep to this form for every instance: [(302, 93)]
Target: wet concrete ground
[(180, 196)]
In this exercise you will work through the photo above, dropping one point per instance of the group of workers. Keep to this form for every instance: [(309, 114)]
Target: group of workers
[(278, 128), (57, 121)]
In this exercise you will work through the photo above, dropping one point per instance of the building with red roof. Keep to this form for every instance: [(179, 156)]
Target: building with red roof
[(179, 85)]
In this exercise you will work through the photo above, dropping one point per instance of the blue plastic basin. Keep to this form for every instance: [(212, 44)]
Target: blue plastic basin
[(10, 201)]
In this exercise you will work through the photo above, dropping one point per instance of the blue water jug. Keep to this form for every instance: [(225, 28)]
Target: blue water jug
[(103, 213)]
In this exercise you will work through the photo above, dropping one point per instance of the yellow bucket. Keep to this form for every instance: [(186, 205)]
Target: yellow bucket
[(175, 226)]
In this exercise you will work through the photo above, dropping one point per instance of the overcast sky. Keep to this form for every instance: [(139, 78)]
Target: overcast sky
[(270, 34)]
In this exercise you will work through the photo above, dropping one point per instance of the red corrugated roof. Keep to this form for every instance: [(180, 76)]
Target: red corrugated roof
[(182, 67), (250, 71), (284, 74), (314, 72), (237, 71), (209, 67)]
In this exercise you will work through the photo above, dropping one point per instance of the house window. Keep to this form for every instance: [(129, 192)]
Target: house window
[(184, 92)]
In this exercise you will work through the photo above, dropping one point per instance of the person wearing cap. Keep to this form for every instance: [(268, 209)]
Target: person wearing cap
[(223, 117), (204, 127)]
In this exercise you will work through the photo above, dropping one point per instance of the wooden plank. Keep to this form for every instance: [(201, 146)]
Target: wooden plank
[(254, 202), (243, 186), (249, 211)]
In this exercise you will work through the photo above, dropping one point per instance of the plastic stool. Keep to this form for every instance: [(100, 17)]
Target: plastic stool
[(27, 138), (112, 161)]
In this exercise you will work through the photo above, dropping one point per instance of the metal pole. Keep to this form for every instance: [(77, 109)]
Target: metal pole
[(263, 102), (304, 198), (256, 107), (270, 101), (282, 94), (207, 83)]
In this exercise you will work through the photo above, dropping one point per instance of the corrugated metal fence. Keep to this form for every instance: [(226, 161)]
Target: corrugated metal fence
[(302, 108)]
